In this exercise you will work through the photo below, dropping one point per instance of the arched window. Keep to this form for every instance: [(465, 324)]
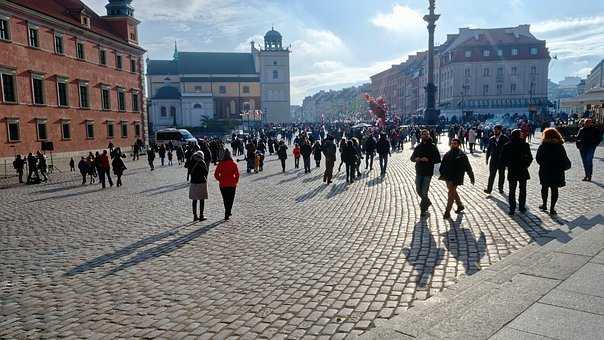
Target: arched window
[(275, 74), (164, 112), (172, 111), (197, 106)]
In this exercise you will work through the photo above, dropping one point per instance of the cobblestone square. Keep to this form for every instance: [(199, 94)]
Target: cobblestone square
[(299, 259)]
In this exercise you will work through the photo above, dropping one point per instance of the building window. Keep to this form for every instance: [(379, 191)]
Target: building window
[(33, 39), (468, 54), (89, 129), (62, 92), (486, 53), (513, 88), (514, 51), (118, 62), (486, 72), (275, 63), (222, 89), (37, 83), (4, 29), (66, 130), (105, 98), (80, 53), (533, 69), (275, 74), (84, 20), (59, 44), (132, 65), (499, 89), (197, 106), (500, 53), (466, 90), (135, 105), (198, 89), (9, 94), (103, 57), (467, 72), (110, 130), (41, 129), (246, 89), (163, 111), (124, 129), (13, 130), (83, 91), (500, 72), (137, 130), (514, 70), (485, 90), (534, 51), (121, 100), (172, 111)]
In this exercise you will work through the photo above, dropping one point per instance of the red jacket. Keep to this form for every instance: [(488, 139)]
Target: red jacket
[(227, 174), (104, 161), (296, 152)]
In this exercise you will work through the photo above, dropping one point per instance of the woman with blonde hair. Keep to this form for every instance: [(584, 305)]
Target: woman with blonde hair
[(553, 162)]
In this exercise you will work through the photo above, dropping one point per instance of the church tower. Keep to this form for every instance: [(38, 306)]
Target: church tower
[(274, 78), (120, 15)]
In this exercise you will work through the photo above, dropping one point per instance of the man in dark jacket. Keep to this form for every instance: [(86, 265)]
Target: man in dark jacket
[(329, 150), (19, 164), (425, 155), (517, 158), (383, 150), (587, 140), (453, 168), (306, 151), (494, 152), (369, 148)]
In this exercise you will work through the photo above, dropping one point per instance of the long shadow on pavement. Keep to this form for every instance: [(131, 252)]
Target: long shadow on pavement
[(470, 250), (424, 255), (311, 194), (164, 249), (67, 195)]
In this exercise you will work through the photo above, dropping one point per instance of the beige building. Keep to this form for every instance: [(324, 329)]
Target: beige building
[(592, 100)]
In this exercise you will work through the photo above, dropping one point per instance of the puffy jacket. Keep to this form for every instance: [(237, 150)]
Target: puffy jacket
[(454, 166), (227, 174), (429, 151), (517, 158)]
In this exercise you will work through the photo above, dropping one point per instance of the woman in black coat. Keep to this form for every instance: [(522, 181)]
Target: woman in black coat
[(553, 162), (349, 157), (517, 158), (316, 150), (453, 168)]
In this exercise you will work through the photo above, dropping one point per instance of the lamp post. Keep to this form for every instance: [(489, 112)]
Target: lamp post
[(431, 114)]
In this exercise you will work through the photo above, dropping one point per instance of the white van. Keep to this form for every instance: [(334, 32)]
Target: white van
[(174, 136)]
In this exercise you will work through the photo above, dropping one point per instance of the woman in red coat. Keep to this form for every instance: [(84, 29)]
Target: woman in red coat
[(227, 175)]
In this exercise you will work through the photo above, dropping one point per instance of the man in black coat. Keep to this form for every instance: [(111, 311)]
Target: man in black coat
[(383, 150), (369, 149), (425, 155), (494, 154), (306, 152), (517, 158), (588, 139)]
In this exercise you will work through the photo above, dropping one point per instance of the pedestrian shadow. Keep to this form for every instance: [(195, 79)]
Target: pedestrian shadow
[(165, 189), (423, 255), (59, 189), (586, 223), (291, 179), (464, 246), (163, 249), (67, 195), (127, 250), (375, 181), (311, 194), (337, 189), (312, 179), (533, 225), (601, 185)]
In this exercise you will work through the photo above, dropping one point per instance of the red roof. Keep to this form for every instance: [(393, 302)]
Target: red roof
[(69, 11)]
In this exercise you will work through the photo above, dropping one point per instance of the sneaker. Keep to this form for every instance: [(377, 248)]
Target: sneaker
[(543, 207), (584, 179), (553, 212), (460, 210), (487, 191)]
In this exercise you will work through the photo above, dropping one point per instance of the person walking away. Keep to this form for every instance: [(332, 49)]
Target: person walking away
[(71, 165), (162, 154), (588, 139), (306, 152), (198, 188), (369, 147), (494, 152), (329, 150), (19, 164), (151, 157), (32, 165), (296, 153), (118, 167), (453, 168), (42, 166), (349, 158), (227, 175), (358, 155), (341, 148), (553, 162), (91, 168), (170, 157), (383, 150), (83, 167), (317, 153), (282, 154), (517, 158), (425, 156), (179, 154), (105, 169), (472, 139)]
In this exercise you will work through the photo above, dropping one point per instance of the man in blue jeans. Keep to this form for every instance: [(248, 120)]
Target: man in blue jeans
[(383, 150), (588, 139), (425, 155)]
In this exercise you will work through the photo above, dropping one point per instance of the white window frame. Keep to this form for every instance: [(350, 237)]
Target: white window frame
[(8, 30), (59, 35), (500, 53), (137, 129), (534, 51), (133, 62), (108, 106), (13, 74), (135, 101), (30, 27), (44, 122), (117, 65), (468, 53), (63, 80), (78, 42), (40, 77), (86, 85), (123, 124), (486, 53), (10, 121), (86, 125), (121, 91), (104, 51), (111, 124), (63, 123), (515, 51)]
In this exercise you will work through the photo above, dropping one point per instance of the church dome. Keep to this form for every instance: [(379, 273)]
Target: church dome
[(273, 41), (272, 35)]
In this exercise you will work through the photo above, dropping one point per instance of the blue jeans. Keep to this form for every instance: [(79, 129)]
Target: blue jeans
[(587, 155), (422, 185), (383, 163)]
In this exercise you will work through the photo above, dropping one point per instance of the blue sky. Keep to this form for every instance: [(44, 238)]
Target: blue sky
[(338, 43)]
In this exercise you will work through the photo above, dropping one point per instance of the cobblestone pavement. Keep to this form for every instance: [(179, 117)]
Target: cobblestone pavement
[(298, 260)]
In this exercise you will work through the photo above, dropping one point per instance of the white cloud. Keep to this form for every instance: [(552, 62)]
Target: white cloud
[(567, 24), (573, 37), (400, 19), (327, 65), (584, 72), (319, 44)]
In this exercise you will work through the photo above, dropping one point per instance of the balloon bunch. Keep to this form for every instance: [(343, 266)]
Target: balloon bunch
[(378, 108)]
